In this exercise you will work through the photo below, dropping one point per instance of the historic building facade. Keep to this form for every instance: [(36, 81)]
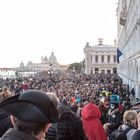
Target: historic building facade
[(45, 65), (100, 58), (128, 21)]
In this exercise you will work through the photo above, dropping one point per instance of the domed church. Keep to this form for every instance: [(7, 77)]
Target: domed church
[(45, 64)]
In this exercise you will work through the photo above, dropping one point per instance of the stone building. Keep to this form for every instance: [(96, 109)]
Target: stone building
[(128, 22), (44, 65), (100, 58)]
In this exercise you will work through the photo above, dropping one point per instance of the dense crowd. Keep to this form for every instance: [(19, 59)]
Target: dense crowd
[(93, 107)]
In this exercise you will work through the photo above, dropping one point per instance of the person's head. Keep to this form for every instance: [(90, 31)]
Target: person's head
[(137, 106), (91, 99), (65, 102), (114, 99), (130, 118), (33, 111), (6, 93), (5, 89), (62, 109), (114, 106), (69, 127), (85, 103), (36, 129), (54, 98)]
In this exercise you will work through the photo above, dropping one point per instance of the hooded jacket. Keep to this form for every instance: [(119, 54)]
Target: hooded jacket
[(91, 122)]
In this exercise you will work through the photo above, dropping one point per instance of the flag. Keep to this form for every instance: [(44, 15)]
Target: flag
[(119, 53)]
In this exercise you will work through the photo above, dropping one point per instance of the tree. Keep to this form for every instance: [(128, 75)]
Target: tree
[(75, 66)]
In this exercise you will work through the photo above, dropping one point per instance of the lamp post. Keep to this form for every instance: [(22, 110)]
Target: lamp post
[(17, 74), (50, 71)]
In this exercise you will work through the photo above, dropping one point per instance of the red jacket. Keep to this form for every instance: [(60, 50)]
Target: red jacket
[(92, 124)]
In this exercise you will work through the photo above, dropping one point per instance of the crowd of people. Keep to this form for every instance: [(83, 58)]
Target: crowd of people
[(68, 106)]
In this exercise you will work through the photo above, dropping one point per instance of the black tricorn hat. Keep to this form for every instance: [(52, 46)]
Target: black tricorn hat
[(32, 106)]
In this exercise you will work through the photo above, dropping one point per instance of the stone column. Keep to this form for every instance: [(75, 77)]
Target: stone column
[(99, 70), (86, 63), (90, 63), (137, 91), (93, 70), (111, 70), (105, 58), (111, 58), (99, 57), (105, 70), (93, 59)]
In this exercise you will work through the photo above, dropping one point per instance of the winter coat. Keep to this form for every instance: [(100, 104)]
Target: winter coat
[(135, 135), (13, 134), (114, 118), (5, 122), (91, 122), (130, 132), (51, 134)]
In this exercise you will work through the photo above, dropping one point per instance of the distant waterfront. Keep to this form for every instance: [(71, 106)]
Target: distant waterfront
[(11, 74), (7, 74)]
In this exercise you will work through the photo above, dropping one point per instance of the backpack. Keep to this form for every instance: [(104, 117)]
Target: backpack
[(119, 134)]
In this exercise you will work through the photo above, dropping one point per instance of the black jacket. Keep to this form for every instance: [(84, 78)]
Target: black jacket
[(51, 134), (114, 118), (13, 134), (135, 135), (5, 122), (130, 132)]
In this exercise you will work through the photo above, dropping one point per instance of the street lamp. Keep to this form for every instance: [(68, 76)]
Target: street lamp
[(50, 71), (17, 74), (50, 74)]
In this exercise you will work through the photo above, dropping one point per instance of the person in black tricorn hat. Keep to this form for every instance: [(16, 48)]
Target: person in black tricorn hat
[(33, 113)]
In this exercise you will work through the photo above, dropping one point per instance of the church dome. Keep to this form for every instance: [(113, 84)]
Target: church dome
[(52, 59), (45, 60), (22, 64), (29, 63)]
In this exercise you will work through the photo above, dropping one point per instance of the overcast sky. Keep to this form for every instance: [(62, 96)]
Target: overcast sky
[(30, 29)]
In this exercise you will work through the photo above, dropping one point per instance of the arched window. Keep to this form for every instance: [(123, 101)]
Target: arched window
[(108, 58), (102, 58), (96, 70), (114, 58), (102, 71), (108, 71), (96, 58), (114, 70)]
